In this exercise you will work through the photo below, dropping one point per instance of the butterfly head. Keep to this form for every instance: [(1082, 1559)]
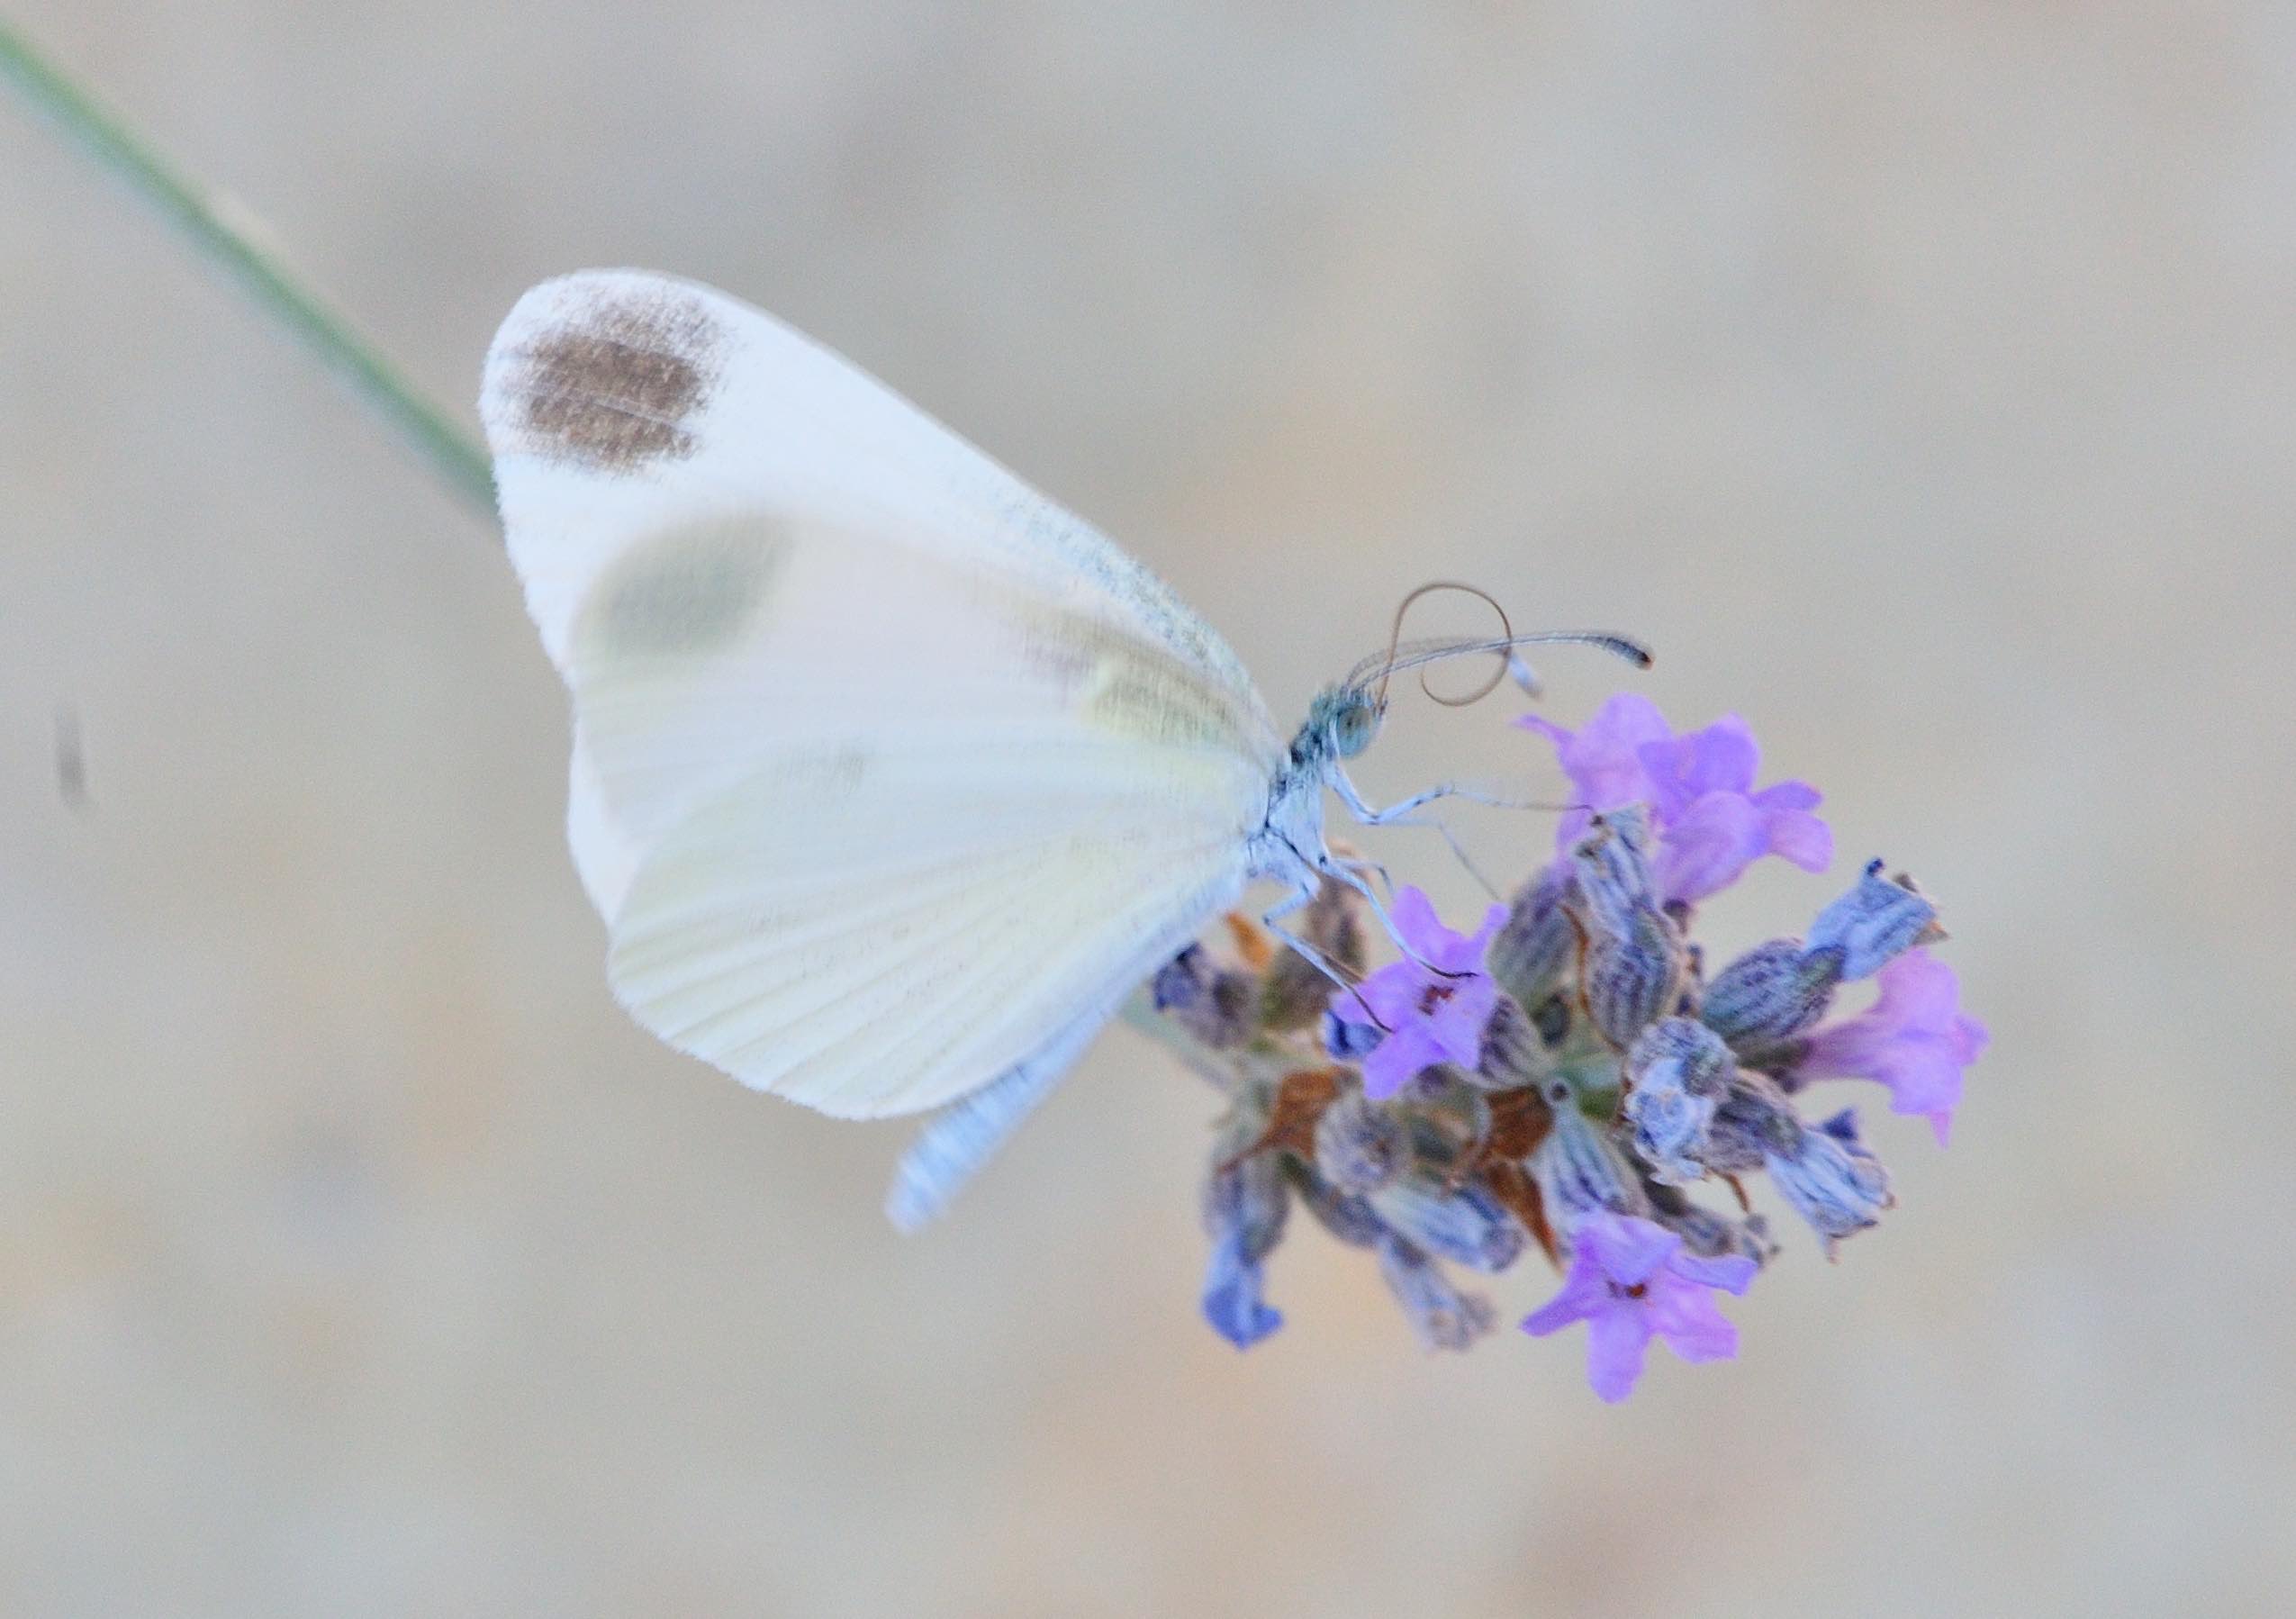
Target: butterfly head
[(1354, 721), (1342, 722)]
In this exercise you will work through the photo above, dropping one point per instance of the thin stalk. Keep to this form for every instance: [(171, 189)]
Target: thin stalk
[(227, 234)]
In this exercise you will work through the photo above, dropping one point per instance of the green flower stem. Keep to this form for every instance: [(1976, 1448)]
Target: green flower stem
[(226, 233)]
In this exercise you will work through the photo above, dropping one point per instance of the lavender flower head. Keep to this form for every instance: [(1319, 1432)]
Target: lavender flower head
[(1572, 1076)]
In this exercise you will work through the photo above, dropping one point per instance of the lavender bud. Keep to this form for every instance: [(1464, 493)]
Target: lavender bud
[(1838, 1189), (1347, 1217), (1680, 1072), (1670, 1132), (1710, 1235), (1881, 917), (1294, 995), (1247, 1199), (1360, 1145), (1512, 1056), (1754, 1122), (1431, 1084), (1578, 1171), (1448, 1120), (1244, 1206), (1613, 866), (1232, 1300), (1695, 1059), (1464, 1225), (1533, 948), (1441, 1316), (1771, 994), (1635, 977), (1212, 1003)]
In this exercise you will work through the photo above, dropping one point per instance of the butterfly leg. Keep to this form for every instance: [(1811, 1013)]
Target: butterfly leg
[(1458, 850), (1306, 885), (1340, 871), (1408, 814), (1302, 895), (1306, 876), (1400, 814)]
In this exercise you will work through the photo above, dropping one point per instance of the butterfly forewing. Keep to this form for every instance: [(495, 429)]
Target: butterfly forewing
[(620, 401), (887, 770)]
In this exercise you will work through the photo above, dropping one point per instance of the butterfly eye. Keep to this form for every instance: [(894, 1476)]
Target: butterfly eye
[(1353, 726)]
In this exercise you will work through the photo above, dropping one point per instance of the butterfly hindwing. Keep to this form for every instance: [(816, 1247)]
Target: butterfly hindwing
[(940, 925)]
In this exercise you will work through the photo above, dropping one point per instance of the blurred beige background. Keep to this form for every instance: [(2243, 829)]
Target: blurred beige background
[(1917, 377)]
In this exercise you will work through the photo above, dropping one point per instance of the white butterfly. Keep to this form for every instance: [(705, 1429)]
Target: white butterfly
[(891, 779)]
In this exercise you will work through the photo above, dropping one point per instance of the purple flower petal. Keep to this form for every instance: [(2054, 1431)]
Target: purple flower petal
[(1709, 845), (1545, 727), (1685, 1317), (1789, 795), (1722, 758), (1392, 993), (1914, 1039), (1617, 1342), (1711, 822), (1734, 1274), (1606, 757), (1583, 1291), (1456, 1024), (1604, 760), (1232, 1299), (1415, 919), (1628, 1250), (1399, 1059), (1431, 1016), (1798, 836)]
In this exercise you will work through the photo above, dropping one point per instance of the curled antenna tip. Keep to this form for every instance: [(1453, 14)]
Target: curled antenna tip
[(1625, 646)]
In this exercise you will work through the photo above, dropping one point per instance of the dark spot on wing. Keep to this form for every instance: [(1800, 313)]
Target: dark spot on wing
[(615, 384), (687, 592)]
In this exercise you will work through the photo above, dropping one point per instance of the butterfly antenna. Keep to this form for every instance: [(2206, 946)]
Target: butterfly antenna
[(1413, 654), (1395, 643)]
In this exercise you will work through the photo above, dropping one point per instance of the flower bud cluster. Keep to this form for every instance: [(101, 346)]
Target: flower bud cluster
[(1569, 1077)]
